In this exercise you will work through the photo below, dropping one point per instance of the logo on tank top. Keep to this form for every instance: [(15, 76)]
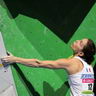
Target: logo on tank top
[(87, 78), (88, 69)]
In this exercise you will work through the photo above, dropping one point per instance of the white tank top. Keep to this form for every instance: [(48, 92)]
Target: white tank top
[(81, 83)]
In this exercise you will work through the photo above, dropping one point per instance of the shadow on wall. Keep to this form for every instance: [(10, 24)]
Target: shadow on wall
[(28, 85), (63, 17), (49, 91)]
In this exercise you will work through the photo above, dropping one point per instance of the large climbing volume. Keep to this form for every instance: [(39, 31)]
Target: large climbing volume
[(7, 85)]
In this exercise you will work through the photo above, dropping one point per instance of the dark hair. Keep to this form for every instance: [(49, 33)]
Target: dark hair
[(89, 51)]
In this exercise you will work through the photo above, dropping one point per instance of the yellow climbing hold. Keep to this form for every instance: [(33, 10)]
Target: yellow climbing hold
[(1, 65)]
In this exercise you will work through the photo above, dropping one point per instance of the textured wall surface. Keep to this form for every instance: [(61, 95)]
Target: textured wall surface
[(29, 38)]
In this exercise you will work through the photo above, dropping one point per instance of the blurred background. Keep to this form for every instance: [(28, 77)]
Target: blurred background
[(44, 29)]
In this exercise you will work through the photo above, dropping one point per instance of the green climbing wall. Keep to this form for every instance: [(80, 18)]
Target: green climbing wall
[(29, 38)]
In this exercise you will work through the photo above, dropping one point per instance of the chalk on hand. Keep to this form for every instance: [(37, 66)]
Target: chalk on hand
[(5, 64)]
